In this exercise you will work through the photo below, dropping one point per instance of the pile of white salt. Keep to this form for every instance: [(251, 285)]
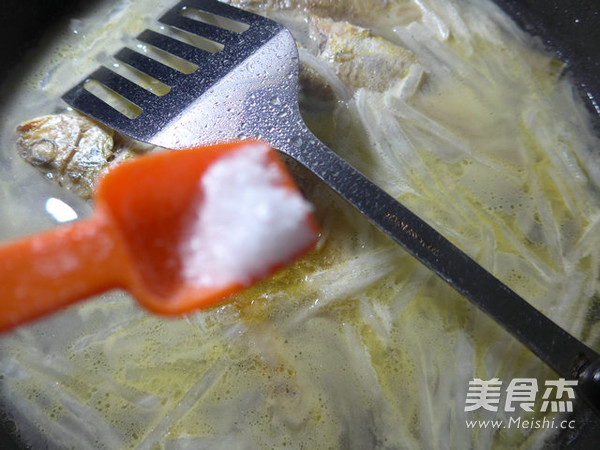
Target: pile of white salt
[(247, 221)]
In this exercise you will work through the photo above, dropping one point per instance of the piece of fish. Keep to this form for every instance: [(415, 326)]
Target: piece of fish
[(359, 58), (70, 149)]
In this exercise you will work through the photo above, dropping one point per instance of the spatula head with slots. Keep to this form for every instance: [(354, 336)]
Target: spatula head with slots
[(242, 81)]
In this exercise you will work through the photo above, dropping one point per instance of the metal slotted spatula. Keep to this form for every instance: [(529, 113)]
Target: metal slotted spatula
[(243, 82)]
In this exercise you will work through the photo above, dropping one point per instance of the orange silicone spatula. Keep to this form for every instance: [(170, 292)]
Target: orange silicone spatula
[(146, 211)]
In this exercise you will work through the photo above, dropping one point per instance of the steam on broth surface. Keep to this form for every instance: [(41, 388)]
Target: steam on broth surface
[(444, 104)]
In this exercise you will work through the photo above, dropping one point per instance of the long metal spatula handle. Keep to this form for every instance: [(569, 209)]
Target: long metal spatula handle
[(566, 355)]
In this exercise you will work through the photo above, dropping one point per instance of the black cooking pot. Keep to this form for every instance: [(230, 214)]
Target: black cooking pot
[(569, 28)]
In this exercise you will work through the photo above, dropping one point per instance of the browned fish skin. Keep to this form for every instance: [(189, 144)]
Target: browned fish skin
[(359, 58), (68, 148), (344, 40)]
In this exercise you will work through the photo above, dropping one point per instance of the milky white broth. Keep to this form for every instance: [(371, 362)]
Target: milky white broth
[(356, 345)]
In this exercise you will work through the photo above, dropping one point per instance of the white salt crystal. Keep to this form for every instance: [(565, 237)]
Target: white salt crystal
[(246, 221)]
